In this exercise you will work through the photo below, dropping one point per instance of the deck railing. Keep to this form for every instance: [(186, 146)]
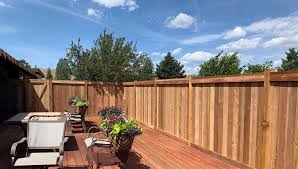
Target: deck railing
[(247, 119)]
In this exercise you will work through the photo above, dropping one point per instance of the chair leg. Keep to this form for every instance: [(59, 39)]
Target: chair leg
[(84, 126)]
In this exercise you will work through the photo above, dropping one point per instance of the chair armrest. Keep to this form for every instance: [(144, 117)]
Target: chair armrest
[(61, 149), (91, 128), (19, 148)]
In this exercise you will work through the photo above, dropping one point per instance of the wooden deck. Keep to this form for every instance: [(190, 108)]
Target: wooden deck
[(150, 150)]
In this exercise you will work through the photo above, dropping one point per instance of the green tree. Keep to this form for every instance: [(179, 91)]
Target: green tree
[(49, 75), (169, 68), (221, 64), (257, 68), (110, 59), (24, 63), (143, 68), (80, 62), (291, 60), (63, 71)]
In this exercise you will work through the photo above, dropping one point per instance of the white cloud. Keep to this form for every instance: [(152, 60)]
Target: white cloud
[(192, 61), (282, 26), (197, 56), (290, 41), (282, 31), (66, 10), (131, 5), (4, 4), (235, 33), (201, 39), (276, 32), (241, 44), (176, 51), (155, 54), (181, 21), (277, 63), (94, 12)]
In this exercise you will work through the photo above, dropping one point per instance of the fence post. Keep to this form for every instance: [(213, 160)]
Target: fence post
[(135, 97), (86, 92), (190, 104), (50, 86), (156, 104), (266, 156), (27, 96)]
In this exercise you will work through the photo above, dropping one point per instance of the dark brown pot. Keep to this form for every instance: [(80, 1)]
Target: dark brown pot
[(123, 146)]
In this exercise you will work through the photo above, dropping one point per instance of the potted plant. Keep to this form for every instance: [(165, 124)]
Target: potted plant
[(120, 130), (79, 103)]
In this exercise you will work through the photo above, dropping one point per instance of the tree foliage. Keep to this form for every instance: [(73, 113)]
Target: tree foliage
[(221, 64), (257, 68), (169, 68), (110, 59), (143, 68), (24, 63), (49, 75), (291, 60), (63, 71)]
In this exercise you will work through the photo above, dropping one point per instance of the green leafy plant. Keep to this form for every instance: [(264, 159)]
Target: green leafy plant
[(78, 101)]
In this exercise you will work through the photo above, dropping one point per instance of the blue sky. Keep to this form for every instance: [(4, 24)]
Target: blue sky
[(40, 31)]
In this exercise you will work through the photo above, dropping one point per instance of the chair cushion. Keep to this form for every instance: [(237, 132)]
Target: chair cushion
[(75, 119), (75, 115), (38, 159), (100, 142)]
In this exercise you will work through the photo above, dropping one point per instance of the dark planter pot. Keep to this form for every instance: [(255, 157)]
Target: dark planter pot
[(123, 146), (82, 109)]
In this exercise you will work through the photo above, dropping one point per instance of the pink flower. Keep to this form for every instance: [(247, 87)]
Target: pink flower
[(112, 119), (123, 118)]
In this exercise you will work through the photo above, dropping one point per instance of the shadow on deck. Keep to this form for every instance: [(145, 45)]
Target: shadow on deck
[(150, 150)]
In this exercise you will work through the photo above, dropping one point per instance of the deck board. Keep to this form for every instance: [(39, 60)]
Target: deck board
[(150, 150)]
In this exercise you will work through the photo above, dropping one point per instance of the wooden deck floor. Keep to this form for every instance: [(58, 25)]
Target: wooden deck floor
[(150, 150)]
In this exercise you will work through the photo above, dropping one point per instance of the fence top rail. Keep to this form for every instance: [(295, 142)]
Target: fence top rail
[(198, 80), (274, 76), (284, 76), (229, 79)]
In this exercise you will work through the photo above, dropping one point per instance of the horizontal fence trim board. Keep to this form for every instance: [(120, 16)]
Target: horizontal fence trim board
[(283, 76), (103, 83), (164, 82), (67, 82), (229, 79), (38, 81), (128, 83)]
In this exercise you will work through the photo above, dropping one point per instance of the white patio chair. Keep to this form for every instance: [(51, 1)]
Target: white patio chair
[(43, 146)]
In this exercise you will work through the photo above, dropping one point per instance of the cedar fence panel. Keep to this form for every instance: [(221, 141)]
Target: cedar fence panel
[(248, 120)]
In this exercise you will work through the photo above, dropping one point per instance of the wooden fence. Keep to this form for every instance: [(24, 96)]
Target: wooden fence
[(53, 95), (249, 120)]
